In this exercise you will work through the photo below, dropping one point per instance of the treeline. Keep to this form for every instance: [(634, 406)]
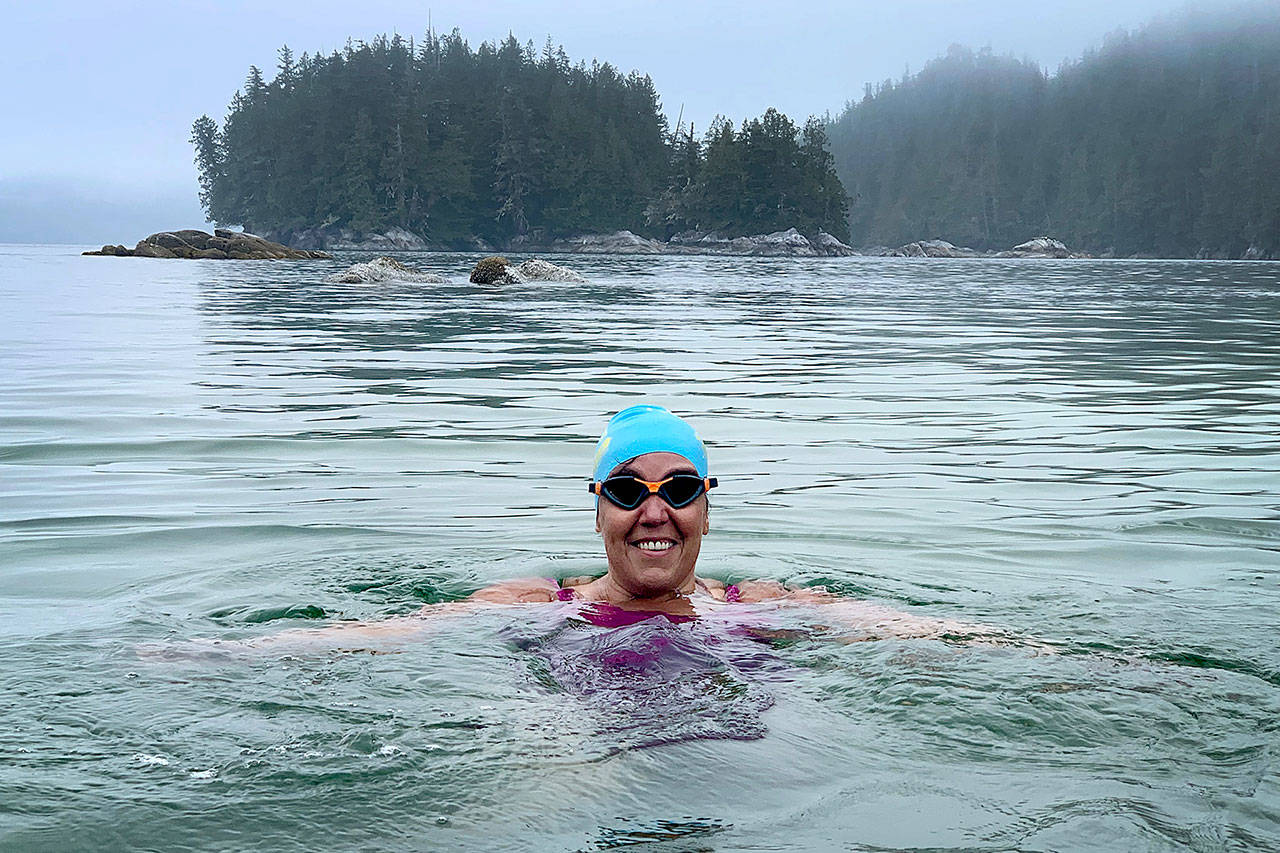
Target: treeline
[(1164, 141), (497, 143)]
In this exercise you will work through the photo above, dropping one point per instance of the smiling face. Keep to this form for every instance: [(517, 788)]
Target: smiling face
[(653, 548)]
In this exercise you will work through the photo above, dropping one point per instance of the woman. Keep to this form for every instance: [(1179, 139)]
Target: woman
[(651, 484)]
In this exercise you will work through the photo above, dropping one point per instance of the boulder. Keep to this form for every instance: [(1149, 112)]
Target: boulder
[(617, 243), (495, 270), (179, 239), (1041, 247), (536, 269), (385, 269), (110, 251), (347, 239), (932, 249), (790, 243), (151, 250), (830, 245)]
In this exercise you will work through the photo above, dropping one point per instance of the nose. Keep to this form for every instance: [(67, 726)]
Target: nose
[(653, 510)]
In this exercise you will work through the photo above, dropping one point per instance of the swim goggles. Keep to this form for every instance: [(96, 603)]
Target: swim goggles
[(678, 490)]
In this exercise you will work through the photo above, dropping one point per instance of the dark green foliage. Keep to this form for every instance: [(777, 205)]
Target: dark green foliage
[(766, 177), (1165, 141), (496, 143)]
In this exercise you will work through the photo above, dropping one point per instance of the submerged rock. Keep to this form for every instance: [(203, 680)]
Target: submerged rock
[(1041, 247), (385, 269), (495, 270), (536, 269), (220, 245)]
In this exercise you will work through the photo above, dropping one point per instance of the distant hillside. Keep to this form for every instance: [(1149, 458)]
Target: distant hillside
[(496, 143), (1165, 141)]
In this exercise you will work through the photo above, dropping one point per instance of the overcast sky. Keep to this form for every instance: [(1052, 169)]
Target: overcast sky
[(98, 98)]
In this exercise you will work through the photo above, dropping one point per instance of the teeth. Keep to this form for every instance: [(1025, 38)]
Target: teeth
[(654, 544)]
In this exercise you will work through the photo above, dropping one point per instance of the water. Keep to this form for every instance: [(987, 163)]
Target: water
[(1080, 452)]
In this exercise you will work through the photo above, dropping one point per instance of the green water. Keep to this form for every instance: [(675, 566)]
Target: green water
[(1081, 452)]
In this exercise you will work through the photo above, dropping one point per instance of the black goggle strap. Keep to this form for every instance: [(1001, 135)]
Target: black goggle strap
[(596, 487)]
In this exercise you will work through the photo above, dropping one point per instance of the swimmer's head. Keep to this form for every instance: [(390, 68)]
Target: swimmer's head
[(643, 429)]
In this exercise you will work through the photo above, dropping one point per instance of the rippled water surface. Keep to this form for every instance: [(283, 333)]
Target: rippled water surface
[(1079, 452)]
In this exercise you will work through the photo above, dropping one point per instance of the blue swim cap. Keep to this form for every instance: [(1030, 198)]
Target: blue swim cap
[(647, 429)]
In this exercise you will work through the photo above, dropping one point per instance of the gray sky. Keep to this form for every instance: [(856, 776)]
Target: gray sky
[(99, 96)]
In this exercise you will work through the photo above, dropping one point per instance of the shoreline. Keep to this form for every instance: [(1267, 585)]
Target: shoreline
[(788, 243)]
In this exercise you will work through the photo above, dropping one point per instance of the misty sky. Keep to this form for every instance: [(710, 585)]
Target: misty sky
[(99, 97)]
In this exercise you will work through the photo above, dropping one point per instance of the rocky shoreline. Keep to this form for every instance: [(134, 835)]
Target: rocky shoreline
[(788, 243), (1038, 247), (313, 243)]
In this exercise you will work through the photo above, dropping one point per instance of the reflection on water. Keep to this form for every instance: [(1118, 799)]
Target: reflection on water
[(1084, 452)]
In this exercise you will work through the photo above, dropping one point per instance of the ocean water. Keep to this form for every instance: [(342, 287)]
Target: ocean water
[(1082, 453)]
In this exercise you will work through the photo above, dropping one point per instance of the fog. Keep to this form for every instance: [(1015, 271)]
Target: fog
[(99, 97)]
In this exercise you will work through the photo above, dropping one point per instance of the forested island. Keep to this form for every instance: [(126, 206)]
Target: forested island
[(496, 146), (1163, 142)]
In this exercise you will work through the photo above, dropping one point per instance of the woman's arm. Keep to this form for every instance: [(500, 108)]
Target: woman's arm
[(379, 637), (856, 619), (518, 591)]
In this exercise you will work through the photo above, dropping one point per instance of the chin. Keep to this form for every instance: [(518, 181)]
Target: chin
[(658, 579)]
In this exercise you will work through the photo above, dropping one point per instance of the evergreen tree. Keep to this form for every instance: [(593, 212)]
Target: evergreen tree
[(210, 162), (498, 142), (1162, 141)]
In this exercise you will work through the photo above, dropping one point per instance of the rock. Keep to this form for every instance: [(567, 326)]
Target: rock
[(220, 245), (346, 239), (789, 243), (110, 251), (536, 269), (1040, 247), (495, 270), (617, 243), (932, 249), (179, 239), (397, 239), (830, 246), (385, 269), (151, 250)]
